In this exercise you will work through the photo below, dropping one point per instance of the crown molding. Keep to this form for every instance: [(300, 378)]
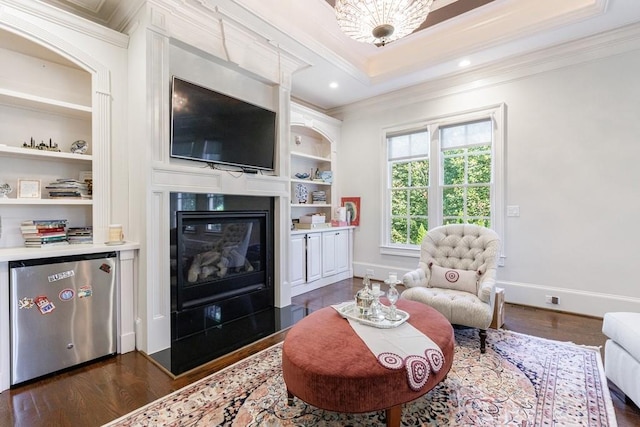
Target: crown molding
[(603, 45), (67, 20)]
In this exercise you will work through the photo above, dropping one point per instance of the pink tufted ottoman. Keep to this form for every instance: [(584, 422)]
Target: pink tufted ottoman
[(327, 365)]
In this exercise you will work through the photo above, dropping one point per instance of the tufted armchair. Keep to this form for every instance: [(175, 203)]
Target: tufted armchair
[(456, 275)]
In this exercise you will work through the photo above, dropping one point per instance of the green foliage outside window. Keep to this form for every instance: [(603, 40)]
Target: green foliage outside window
[(466, 192), (409, 201)]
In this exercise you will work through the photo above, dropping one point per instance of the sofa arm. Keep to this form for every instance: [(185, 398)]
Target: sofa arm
[(414, 278)]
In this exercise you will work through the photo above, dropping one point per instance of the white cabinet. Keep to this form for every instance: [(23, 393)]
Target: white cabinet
[(298, 264), (320, 258), (306, 258), (335, 252), (314, 256)]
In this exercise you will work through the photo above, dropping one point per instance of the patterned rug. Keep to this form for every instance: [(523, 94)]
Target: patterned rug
[(520, 381)]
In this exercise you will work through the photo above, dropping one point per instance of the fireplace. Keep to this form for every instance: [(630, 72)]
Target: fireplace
[(222, 287), (221, 255)]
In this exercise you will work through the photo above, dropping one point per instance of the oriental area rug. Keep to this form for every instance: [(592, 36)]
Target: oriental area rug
[(520, 381)]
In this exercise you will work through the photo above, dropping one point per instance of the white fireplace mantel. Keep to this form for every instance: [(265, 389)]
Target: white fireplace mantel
[(213, 48)]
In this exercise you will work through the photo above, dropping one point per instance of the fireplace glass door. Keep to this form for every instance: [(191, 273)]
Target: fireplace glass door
[(220, 255)]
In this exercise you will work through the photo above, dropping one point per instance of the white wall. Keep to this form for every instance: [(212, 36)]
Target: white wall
[(572, 150)]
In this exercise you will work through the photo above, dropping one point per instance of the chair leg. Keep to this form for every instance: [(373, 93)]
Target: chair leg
[(483, 340)]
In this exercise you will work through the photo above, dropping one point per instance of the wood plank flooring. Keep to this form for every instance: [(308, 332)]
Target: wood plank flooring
[(99, 392)]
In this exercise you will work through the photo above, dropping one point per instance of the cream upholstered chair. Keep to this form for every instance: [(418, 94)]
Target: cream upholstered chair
[(456, 275)]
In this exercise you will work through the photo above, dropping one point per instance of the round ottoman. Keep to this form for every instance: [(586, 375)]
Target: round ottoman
[(327, 365)]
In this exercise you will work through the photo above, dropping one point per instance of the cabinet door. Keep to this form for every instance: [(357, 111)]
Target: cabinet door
[(314, 256), (297, 268), (329, 256), (342, 251)]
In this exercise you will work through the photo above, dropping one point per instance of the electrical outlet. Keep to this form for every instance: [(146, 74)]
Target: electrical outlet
[(551, 299)]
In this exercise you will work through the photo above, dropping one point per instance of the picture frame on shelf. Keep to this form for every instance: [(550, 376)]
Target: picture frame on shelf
[(29, 189), (352, 204)]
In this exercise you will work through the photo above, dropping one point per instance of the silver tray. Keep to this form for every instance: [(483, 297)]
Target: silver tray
[(350, 311)]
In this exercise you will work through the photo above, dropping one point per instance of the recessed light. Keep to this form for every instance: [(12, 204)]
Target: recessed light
[(333, 85), (464, 63)]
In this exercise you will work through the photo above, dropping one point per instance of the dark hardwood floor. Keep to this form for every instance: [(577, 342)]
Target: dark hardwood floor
[(99, 392)]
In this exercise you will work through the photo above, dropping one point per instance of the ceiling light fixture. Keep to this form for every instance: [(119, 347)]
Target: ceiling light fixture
[(380, 21)]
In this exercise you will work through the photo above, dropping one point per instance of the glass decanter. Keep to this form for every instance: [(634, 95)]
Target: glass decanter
[(376, 312), (364, 297), (392, 296)]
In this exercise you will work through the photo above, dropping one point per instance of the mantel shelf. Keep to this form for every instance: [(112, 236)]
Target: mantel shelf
[(34, 153)]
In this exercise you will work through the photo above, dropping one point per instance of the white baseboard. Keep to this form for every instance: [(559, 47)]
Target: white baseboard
[(569, 300), (381, 272)]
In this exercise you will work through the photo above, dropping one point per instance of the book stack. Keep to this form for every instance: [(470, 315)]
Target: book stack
[(79, 235), (47, 232), (319, 197), (68, 188)]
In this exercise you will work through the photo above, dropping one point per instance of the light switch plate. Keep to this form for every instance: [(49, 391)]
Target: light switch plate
[(513, 210)]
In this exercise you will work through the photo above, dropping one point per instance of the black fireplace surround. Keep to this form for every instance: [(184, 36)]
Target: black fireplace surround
[(222, 280)]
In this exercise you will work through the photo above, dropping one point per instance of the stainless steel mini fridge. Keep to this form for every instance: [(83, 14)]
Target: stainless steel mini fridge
[(63, 312)]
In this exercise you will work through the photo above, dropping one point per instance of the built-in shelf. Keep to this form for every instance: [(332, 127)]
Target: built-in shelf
[(27, 100), (22, 252), (309, 156), (310, 182), (35, 153), (310, 205), (56, 202)]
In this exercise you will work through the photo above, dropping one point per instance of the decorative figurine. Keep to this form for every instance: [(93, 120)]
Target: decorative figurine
[(42, 146)]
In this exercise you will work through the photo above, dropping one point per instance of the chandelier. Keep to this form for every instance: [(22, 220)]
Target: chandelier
[(380, 21)]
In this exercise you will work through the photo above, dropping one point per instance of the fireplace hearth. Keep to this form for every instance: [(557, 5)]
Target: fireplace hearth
[(222, 277)]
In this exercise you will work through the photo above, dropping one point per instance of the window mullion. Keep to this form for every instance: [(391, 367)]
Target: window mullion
[(436, 178)]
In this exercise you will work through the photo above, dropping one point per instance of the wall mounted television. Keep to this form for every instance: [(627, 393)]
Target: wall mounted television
[(211, 127)]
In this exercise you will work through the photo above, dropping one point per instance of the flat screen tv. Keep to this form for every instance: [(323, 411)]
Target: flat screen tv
[(211, 127)]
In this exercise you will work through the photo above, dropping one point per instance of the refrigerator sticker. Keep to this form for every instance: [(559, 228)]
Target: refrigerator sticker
[(60, 276), (85, 291), (44, 305), (106, 268), (66, 294), (25, 303)]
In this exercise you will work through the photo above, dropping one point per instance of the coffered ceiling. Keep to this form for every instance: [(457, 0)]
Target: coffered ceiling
[(484, 32)]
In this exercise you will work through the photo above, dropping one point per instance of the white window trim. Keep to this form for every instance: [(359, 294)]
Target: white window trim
[(497, 113)]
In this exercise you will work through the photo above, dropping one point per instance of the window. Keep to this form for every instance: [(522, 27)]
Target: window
[(466, 173), (444, 171), (408, 156)]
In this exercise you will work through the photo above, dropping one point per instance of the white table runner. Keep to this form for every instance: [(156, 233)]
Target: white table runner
[(402, 347)]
